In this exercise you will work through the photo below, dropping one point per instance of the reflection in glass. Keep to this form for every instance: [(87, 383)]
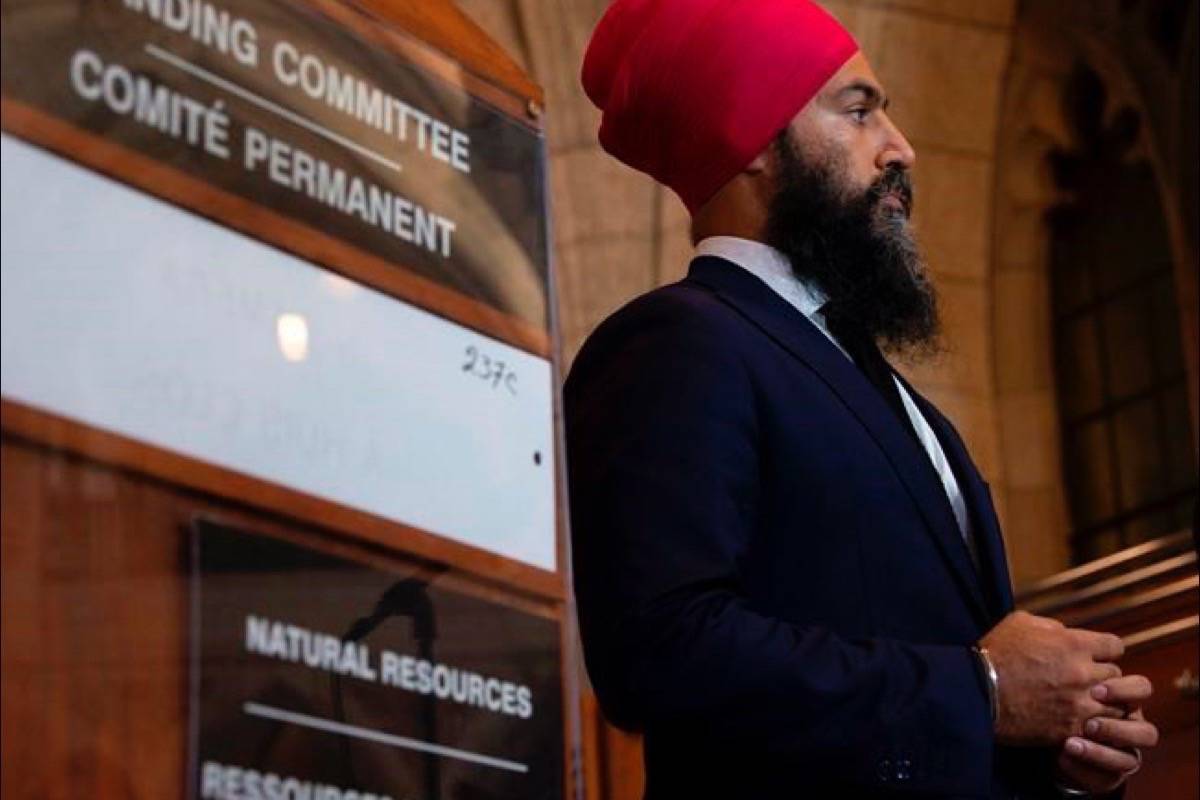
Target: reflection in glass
[(1089, 474), (292, 332), (1079, 366), (1127, 343)]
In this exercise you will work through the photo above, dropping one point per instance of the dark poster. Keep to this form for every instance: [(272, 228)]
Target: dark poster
[(317, 678)]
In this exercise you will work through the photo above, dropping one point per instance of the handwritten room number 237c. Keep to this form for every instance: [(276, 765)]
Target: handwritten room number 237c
[(492, 370)]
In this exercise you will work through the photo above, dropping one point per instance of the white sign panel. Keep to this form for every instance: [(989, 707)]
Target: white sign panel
[(130, 315)]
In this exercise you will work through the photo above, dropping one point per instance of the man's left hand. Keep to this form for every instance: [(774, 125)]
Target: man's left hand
[(1109, 752)]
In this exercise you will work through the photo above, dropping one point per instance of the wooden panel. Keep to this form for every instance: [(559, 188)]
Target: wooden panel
[(95, 641), (1147, 595), (612, 759), (591, 757), (1173, 763), (1179, 782), (58, 432), (1169, 709), (625, 775)]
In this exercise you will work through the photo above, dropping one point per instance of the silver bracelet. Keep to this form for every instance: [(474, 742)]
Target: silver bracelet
[(988, 670)]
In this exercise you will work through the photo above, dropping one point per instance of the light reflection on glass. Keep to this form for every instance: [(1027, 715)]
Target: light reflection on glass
[(292, 332)]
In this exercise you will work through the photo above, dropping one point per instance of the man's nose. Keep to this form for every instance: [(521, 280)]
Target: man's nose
[(895, 149)]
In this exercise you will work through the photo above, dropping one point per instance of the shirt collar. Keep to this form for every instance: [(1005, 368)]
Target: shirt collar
[(771, 267)]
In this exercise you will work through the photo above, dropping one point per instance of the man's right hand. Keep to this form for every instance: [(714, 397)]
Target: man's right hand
[(1046, 671)]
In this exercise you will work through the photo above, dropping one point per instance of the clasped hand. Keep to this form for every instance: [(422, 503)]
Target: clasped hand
[(1059, 686)]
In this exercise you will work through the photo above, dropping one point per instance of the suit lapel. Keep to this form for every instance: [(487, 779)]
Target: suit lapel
[(986, 527), (761, 306)]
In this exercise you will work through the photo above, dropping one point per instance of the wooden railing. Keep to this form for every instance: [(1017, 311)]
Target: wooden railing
[(1148, 595)]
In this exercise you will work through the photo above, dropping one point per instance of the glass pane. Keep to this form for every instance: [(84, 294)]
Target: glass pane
[(1090, 474), (1127, 345), (1165, 333), (1150, 526), (1185, 511), (1071, 253), (1113, 269), (1098, 544), (1139, 455), (1079, 380), (1128, 222), (1180, 452)]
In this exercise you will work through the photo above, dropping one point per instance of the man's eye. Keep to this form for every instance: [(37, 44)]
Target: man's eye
[(860, 114)]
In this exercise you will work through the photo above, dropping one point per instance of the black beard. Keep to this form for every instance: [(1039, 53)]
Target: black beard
[(857, 250)]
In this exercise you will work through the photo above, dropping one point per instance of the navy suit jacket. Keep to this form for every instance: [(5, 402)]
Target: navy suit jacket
[(770, 580)]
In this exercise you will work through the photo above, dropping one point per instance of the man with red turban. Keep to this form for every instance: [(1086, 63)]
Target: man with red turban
[(789, 572)]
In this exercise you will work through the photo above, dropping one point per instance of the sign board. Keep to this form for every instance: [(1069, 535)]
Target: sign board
[(319, 677), (285, 251), (279, 260)]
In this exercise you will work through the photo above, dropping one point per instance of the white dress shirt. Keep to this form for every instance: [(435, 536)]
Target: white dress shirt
[(775, 270)]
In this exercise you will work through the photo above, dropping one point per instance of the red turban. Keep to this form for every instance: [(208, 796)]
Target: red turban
[(693, 90)]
